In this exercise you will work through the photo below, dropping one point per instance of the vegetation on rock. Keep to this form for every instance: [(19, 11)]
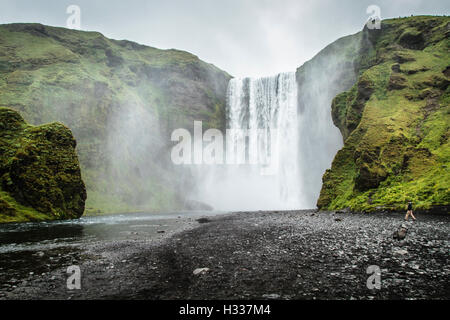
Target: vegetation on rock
[(395, 121), (40, 176), (121, 100)]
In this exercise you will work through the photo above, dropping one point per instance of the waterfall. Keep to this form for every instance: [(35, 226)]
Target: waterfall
[(267, 108), (295, 106), (261, 117), (289, 129)]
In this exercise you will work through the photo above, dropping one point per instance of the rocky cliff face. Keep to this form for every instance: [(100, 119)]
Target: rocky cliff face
[(121, 100), (395, 121), (40, 176)]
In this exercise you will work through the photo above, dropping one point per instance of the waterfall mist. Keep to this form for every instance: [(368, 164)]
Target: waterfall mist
[(298, 106), (123, 114), (135, 175), (266, 107), (122, 101)]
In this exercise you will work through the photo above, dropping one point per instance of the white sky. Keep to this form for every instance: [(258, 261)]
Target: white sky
[(242, 37)]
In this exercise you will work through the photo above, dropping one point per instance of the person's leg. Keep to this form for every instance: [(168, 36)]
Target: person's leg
[(412, 215), (407, 215)]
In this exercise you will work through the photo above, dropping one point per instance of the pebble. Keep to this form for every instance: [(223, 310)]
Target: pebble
[(272, 296), (200, 271)]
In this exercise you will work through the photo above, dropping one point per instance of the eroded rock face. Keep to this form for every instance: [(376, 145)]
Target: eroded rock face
[(40, 175), (394, 122)]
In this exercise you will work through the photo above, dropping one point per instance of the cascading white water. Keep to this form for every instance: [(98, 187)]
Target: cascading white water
[(264, 112), (305, 142), (298, 107), (265, 107)]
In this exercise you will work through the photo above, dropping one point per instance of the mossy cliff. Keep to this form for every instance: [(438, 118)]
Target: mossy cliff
[(120, 99), (40, 175), (394, 121)]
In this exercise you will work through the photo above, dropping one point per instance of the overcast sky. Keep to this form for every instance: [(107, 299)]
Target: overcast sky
[(242, 37)]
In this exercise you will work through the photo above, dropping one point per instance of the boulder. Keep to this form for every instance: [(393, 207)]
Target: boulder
[(200, 271), (401, 232), (40, 175)]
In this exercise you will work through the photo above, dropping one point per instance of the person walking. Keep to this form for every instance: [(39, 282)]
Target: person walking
[(409, 212)]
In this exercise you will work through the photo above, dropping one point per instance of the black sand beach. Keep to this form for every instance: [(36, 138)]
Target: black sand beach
[(251, 255)]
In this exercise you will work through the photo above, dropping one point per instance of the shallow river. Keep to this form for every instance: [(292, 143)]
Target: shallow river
[(36, 248)]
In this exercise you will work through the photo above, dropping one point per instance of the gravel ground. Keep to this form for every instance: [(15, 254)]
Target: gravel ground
[(263, 255)]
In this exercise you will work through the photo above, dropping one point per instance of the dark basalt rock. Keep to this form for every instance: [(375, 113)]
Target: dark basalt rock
[(369, 178), (397, 82), (395, 68), (446, 72), (203, 220), (401, 232), (412, 40)]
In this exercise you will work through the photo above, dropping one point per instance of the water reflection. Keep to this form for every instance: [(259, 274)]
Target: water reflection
[(32, 249), (40, 233), (46, 235)]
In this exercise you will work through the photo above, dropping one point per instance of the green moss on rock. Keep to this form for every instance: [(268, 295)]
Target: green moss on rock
[(395, 122), (91, 84), (40, 176)]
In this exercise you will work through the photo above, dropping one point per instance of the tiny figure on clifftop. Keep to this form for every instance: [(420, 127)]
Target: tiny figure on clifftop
[(409, 212)]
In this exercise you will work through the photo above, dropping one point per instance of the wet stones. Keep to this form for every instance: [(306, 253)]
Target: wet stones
[(200, 271), (400, 252), (401, 232)]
